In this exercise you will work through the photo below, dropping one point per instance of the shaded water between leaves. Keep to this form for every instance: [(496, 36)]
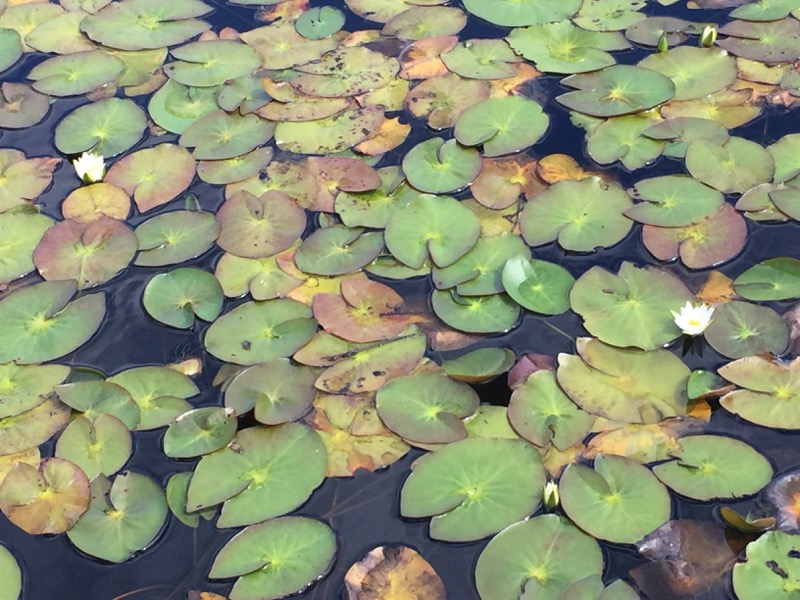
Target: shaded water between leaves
[(363, 510)]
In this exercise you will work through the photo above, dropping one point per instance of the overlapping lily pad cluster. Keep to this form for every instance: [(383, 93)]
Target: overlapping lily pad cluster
[(328, 199)]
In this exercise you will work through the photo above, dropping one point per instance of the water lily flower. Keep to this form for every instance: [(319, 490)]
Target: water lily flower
[(90, 167), (551, 497), (693, 320), (708, 36)]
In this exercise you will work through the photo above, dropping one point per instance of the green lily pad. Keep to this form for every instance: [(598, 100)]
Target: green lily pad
[(624, 384), (541, 556), (731, 167), (771, 279), (649, 31), (435, 226), (200, 431), (770, 569), (75, 74), (563, 47), (438, 166), (420, 22), (696, 72), (94, 398), (276, 559), (345, 72), (153, 176), (443, 98), (741, 329), (771, 396), (318, 23), (102, 446), (281, 47), (262, 277), (426, 408), (176, 490), (632, 308), (679, 132), (21, 106), (21, 233), (622, 139), (243, 93), (495, 313), (39, 323), (176, 297), (481, 59), (123, 518), (765, 10), (271, 472), (673, 201), (174, 106), (236, 169), (713, 466), (219, 135), (211, 62), (542, 413), (10, 574), (10, 48), (517, 13), (329, 135), (23, 387), (581, 215), (107, 127), (259, 227), (770, 42), (502, 125), (480, 365), (159, 392), (537, 285), (592, 588), (609, 15), (139, 24), (338, 250), (474, 488), (619, 500), (175, 237), (281, 328), (278, 390), (617, 90), (785, 154), (375, 208), (33, 427), (49, 499), (90, 253)]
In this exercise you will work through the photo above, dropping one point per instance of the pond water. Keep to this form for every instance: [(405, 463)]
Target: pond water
[(364, 510)]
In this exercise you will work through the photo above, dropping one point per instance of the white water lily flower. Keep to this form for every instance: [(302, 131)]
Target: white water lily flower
[(90, 167), (693, 320)]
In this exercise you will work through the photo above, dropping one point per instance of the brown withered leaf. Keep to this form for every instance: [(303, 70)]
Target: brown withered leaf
[(420, 60), (393, 573), (718, 288), (643, 443)]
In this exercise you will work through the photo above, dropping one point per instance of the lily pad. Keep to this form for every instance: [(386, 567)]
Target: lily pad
[(211, 62), (537, 285), (200, 431), (153, 176), (107, 127), (770, 42), (236, 169), (283, 327), (338, 250), (679, 132), (11, 574), (541, 556), (621, 138), (495, 313), (374, 208), (501, 125), (101, 446), (771, 279), (21, 233), (474, 488), (176, 297), (91, 202), (480, 365), (631, 308), (619, 500), (517, 13), (281, 47), (581, 215), (10, 48), (329, 135), (33, 427), (426, 408), (318, 23), (159, 392), (174, 106), (75, 74), (542, 413), (624, 385), (49, 499), (262, 277), (617, 90), (271, 471), (94, 398), (39, 323), (21, 106), (23, 387), (438, 166), (276, 559), (419, 22), (673, 201), (733, 166), (741, 329), (770, 567), (278, 390), (696, 72), (481, 59), (713, 466), (23, 179), (378, 571), (123, 518), (219, 135), (443, 98), (175, 237), (90, 253)]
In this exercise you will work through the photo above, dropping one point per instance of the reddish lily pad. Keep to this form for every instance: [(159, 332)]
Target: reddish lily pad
[(21, 106), (91, 202), (33, 427), (23, 179)]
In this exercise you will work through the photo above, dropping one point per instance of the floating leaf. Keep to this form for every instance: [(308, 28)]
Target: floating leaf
[(175, 237), (10, 51), (696, 72), (673, 201), (49, 499), (643, 443), (123, 517), (199, 431), (75, 74), (10, 574), (419, 22), (176, 297), (621, 138), (21, 233), (329, 135), (501, 125), (387, 569), (516, 13), (771, 42), (262, 277), (39, 323), (541, 556), (219, 135), (94, 398), (20, 105), (275, 559), (23, 387), (91, 202), (159, 392), (438, 166), (338, 250), (770, 567), (211, 62), (474, 488), (733, 166), (281, 47), (480, 365), (537, 285), (107, 127), (713, 466), (619, 500), (741, 329), (479, 59), (771, 279), (175, 106), (443, 98), (176, 490), (23, 179), (90, 253), (476, 314), (102, 446), (318, 23)]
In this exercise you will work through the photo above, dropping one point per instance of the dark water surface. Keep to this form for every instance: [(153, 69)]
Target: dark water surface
[(363, 510)]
